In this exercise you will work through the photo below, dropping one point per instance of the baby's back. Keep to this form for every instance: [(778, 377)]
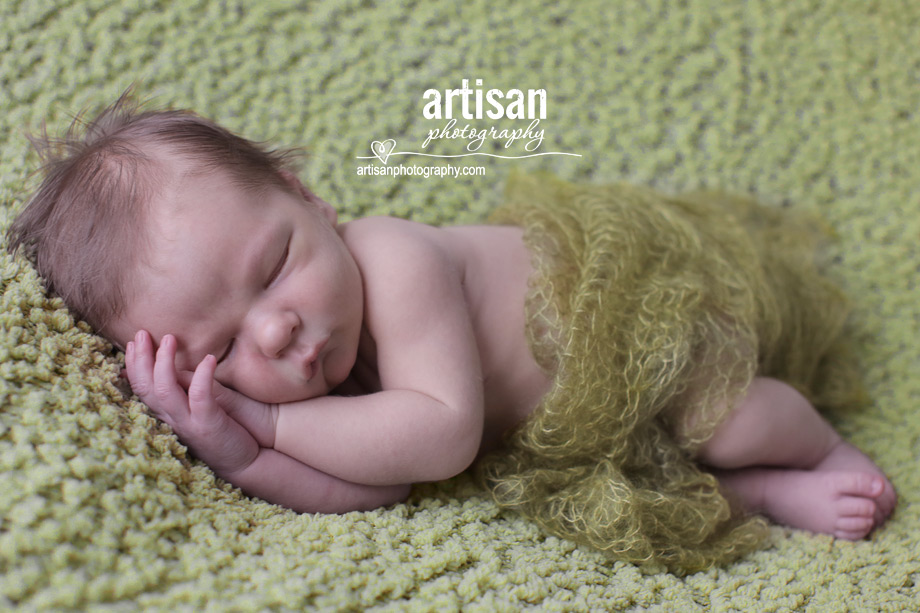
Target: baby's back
[(496, 267)]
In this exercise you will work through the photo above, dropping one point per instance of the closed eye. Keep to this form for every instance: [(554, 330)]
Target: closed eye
[(226, 352), (280, 266)]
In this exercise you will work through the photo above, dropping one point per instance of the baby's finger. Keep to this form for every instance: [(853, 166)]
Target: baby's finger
[(200, 397), (166, 389), (185, 380), (164, 366), (185, 377), (139, 364), (231, 400)]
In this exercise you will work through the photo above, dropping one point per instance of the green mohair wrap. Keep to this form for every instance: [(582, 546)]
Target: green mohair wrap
[(652, 314)]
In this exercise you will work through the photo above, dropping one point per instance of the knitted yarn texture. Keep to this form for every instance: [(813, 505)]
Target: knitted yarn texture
[(653, 313)]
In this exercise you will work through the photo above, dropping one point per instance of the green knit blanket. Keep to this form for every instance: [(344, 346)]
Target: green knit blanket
[(813, 105)]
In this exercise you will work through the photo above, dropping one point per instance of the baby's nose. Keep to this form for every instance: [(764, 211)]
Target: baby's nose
[(276, 333)]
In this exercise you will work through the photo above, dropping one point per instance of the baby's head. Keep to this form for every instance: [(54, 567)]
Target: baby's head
[(87, 226), (166, 222)]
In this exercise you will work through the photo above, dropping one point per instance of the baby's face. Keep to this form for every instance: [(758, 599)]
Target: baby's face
[(262, 282)]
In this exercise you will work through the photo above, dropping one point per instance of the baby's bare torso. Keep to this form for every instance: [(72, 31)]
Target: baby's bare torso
[(494, 267)]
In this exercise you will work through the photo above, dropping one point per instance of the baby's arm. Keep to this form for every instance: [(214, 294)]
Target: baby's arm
[(427, 422), (280, 479), (199, 419)]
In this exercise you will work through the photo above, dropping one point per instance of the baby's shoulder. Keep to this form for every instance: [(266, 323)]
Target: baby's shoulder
[(411, 274), (379, 244), (383, 228)]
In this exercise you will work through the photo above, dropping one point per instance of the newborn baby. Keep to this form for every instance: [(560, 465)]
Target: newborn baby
[(327, 366)]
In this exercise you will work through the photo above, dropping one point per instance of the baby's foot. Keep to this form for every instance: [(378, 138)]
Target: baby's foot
[(841, 503), (846, 457)]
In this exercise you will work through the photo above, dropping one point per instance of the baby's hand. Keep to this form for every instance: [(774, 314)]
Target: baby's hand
[(257, 417), (196, 416)]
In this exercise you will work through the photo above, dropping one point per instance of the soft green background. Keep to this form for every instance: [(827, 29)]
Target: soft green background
[(811, 104)]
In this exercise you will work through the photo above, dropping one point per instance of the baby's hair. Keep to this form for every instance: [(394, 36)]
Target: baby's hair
[(84, 228)]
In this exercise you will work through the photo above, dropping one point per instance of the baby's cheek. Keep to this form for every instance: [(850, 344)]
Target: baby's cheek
[(267, 385), (228, 383)]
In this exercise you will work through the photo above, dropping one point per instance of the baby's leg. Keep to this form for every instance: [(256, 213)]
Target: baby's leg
[(784, 460)]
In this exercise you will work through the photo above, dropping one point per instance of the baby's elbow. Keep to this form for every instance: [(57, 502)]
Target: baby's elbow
[(453, 466), (460, 451), (448, 468)]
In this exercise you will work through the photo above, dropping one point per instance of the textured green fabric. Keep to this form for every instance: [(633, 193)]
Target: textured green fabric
[(812, 104), (652, 314)]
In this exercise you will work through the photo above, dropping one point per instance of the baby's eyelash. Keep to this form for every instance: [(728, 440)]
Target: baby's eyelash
[(280, 265), (226, 352)]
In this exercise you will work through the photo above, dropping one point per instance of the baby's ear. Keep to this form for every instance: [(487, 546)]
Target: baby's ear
[(325, 208)]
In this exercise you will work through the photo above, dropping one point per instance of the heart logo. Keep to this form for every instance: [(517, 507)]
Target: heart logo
[(382, 150)]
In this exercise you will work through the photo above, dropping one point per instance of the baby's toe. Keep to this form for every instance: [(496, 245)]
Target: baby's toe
[(853, 528), (879, 516), (856, 519), (853, 507), (864, 484), (888, 500)]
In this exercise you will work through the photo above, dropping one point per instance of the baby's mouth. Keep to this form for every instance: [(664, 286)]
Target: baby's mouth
[(312, 360)]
